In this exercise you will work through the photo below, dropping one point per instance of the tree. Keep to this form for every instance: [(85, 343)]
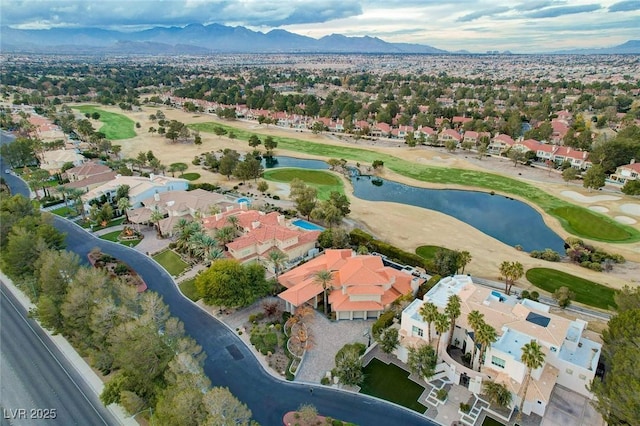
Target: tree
[(563, 296), (156, 217), (228, 283), (262, 186), (422, 361), (485, 335), (224, 409), (123, 205), (254, 141), (225, 235), (228, 162), (324, 278), (451, 145), (389, 340), (594, 178), (304, 196), (532, 357), (632, 187), (476, 320), (441, 325), (178, 167), (429, 313), (464, 258), (270, 144), (516, 156), (511, 271), (497, 393), (277, 258), (349, 367), (569, 174), (318, 127), (617, 392), (446, 262), (453, 312)]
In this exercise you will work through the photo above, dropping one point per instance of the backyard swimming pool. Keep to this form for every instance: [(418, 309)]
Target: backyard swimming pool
[(243, 200), (307, 225)]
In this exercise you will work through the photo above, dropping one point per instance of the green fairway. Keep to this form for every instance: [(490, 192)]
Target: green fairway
[(115, 127), (171, 262), (113, 236), (190, 176), (587, 292), (188, 288), (324, 182), (429, 252), (391, 383), (600, 228)]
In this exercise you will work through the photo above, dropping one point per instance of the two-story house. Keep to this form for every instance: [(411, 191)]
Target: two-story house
[(626, 173)]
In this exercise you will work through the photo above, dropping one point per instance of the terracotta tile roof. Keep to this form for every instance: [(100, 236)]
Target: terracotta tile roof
[(632, 166), (92, 180), (89, 169)]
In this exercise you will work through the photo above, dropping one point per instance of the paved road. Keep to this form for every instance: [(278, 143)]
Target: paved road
[(37, 384), (231, 364)]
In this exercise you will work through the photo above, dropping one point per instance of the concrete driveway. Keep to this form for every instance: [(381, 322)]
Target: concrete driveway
[(568, 408)]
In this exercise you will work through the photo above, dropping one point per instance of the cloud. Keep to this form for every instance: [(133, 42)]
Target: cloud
[(533, 5), (625, 6), (554, 12), (487, 12)]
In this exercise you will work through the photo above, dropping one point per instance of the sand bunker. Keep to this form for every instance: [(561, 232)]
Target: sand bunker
[(599, 209), (630, 208), (626, 220), (576, 196)]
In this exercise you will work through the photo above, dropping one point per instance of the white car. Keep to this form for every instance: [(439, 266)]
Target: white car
[(7, 171)]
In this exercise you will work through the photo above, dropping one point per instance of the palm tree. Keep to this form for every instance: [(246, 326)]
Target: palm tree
[(214, 254), (323, 277), (225, 235), (442, 325), (453, 311), (156, 217), (429, 313), (532, 357), (475, 320), (76, 194), (201, 244), (464, 258), (123, 204), (485, 336), (213, 209), (233, 222), (511, 271), (497, 393), (277, 258)]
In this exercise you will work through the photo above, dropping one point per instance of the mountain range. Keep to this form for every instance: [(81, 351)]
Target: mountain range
[(197, 39), (193, 39)]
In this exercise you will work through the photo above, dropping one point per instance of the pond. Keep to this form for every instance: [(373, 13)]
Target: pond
[(505, 219)]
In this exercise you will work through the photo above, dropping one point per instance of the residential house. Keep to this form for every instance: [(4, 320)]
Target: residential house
[(140, 188), (559, 131), (381, 130), (626, 173), (261, 233), (176, 205), (361, 286), (89, 175), (52, 161), (449, 135), (578, 159), (571, 359), (499, 144)]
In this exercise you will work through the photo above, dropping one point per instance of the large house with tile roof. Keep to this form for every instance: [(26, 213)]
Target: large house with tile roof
[(262, 233), (626, 173), (53, 161), (571, 359), (500, 143), (361, 286), (89, 175)]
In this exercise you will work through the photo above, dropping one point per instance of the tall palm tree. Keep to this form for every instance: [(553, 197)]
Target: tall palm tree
[(429, 313), (532, 357), (323, 277), (76, 194), (497, 393), (511, 271), (442, 325), (464, 258), (475, 320), (277, 258), (485, 336), (233, 222), (156, 217), (214, 254), (123, 204), (225, 235), (453, 312)]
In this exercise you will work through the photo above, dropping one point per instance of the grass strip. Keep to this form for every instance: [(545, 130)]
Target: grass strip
[(586, 292), (188, 288)]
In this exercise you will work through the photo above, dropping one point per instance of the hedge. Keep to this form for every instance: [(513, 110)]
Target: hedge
[(385, 321), (359, 237)]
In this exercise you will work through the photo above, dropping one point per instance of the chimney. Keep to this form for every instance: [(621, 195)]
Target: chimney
[(255, 225), (633, 161), (218, 216), (281, 220), (156, 196), (151, 176)]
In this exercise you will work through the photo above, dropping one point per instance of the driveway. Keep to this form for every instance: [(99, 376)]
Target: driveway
[(569, 408)]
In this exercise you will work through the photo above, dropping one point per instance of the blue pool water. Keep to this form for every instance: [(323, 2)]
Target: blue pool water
[(307, 225), (243, 200)]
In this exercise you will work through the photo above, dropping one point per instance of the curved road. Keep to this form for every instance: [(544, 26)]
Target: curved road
[(37, 383), (229, 362)]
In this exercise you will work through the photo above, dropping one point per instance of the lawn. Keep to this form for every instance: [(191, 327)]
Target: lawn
[(490, 421), (190, 176), (324, 182), (429, 252), (391, 383), (171, 262), (602, 228), (188, 288), (64, 211), (115, 127), (113, 236), (587, 292)]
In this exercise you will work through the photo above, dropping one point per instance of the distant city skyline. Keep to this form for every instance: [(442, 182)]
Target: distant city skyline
[(526, 26)]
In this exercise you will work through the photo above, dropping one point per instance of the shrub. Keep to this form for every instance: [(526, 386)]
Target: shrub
[(442, 394), (206, 186), (385, 321), (427, 285), (359, 237), (464, 407), (325, 381), (121, 269), (276, 197)]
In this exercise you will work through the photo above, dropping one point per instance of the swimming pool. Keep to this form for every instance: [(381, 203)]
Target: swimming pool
[(307, 225), (243, 200)]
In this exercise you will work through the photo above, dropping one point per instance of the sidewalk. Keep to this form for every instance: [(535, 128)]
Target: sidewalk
[(84, 369)]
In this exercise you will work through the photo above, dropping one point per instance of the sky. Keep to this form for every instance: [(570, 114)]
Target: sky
[(520, 26)]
